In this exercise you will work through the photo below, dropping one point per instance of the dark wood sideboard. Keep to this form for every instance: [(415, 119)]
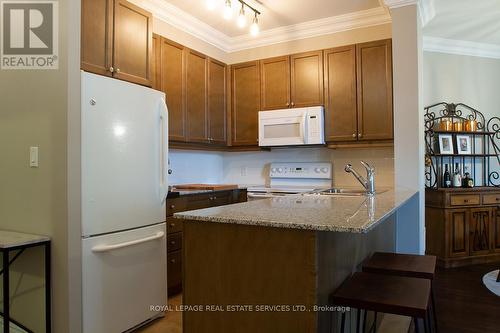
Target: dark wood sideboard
[(463, 225)]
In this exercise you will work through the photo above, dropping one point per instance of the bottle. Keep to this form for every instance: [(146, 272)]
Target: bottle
[(457, 177), (467, 182), (446, 177)]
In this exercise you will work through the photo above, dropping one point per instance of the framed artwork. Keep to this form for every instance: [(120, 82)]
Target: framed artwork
[(446, 144), (464, 145)]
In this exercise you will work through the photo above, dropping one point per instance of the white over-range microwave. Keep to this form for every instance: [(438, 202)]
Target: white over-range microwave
[(291, 127)]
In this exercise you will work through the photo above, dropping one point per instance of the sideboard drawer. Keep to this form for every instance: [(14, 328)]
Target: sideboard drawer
[(491, 199), (465, 199)]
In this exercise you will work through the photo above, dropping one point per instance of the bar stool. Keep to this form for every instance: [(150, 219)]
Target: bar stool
[(398, 295), (409, 265)]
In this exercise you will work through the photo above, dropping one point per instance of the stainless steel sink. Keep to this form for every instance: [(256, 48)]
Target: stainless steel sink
[(342, 192)]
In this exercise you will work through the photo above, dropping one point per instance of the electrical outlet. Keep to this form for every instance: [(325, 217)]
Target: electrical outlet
[(243, 171)]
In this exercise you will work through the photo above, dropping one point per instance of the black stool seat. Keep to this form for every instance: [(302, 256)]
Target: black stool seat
[(385, 293), (410, 265)]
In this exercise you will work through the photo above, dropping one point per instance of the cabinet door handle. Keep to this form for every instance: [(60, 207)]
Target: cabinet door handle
[(117, 70), (293, 104), (360, 135), (111, 69), (172, 225), (172, 242), (172, 206), (287, 104), (172, 261), (353, 135)]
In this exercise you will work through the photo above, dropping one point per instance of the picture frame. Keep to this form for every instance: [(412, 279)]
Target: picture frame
[(446, 144), (464, 144)]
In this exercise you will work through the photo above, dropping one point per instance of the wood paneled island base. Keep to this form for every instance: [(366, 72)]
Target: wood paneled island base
[(232, 271)]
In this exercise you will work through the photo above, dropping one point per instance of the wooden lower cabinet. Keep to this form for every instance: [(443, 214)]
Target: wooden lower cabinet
[(495, 229), (176, 204), (458, 231), (462, 227)]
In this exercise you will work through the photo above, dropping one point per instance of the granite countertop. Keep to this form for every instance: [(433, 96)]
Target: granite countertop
[(356, 214)]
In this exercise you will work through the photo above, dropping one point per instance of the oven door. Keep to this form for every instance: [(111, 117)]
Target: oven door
[(282, 131)]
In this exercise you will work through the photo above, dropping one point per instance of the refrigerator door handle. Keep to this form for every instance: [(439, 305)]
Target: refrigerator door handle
[(107, 248), (163, 151)]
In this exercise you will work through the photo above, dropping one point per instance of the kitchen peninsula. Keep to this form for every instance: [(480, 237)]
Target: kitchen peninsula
[(278, 258)]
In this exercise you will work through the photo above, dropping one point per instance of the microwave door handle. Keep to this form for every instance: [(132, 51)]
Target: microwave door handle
[(304, 128)]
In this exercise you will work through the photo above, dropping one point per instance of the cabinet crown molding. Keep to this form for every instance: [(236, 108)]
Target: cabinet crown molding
[(184, 21)]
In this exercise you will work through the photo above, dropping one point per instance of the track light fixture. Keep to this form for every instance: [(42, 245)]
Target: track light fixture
[(241, 21)]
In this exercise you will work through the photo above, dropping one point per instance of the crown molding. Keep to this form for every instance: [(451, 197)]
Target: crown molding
[(325, 26), (461, 47), (181, 20), (184, 21), (399, 3)]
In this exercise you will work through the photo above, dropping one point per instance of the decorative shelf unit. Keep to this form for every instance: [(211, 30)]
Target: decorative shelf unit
[(483, 161), (462, 224)]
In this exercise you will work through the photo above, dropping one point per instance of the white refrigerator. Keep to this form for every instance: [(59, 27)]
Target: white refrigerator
[(124, 188)]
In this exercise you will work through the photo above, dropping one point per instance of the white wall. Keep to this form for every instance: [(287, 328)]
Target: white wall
[(463, 79), (252, 168)]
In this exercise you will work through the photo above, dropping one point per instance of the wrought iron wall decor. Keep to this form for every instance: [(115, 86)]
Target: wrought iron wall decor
[(460, 119)]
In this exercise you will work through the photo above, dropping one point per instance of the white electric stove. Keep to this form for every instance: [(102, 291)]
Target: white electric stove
[(291, 178)]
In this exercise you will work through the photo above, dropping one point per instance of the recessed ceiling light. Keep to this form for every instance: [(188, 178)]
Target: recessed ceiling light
[(211, 4)]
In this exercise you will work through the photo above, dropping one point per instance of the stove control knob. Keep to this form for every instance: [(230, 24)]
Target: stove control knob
[(324, 170), (317, 170), (273, 170), (280, 170)]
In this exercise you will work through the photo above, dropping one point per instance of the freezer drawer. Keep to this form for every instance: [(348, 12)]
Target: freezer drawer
[(124, 274)]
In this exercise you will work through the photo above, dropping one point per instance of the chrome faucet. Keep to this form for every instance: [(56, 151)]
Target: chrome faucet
[(369, 182)]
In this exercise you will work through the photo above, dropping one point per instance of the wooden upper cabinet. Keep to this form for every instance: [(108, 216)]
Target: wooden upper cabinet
[(374, 85), (275, 83), (196, 97), (133, 33), (245, 87), (306, 84), (340, 94), (216, 101), (97, 36), (156, 63), (173, 84), (117, 40)]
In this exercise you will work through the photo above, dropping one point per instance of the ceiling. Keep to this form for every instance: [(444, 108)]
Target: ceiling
[(467, 20), (275, 13)]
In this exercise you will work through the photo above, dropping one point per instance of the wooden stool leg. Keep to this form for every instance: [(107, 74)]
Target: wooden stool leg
[(375, 323), (433, 301), (416, 325), (358, 319), (427, 324), (342, 323), (364, 320)]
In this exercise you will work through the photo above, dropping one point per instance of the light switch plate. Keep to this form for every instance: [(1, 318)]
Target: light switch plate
[(34, 157)]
